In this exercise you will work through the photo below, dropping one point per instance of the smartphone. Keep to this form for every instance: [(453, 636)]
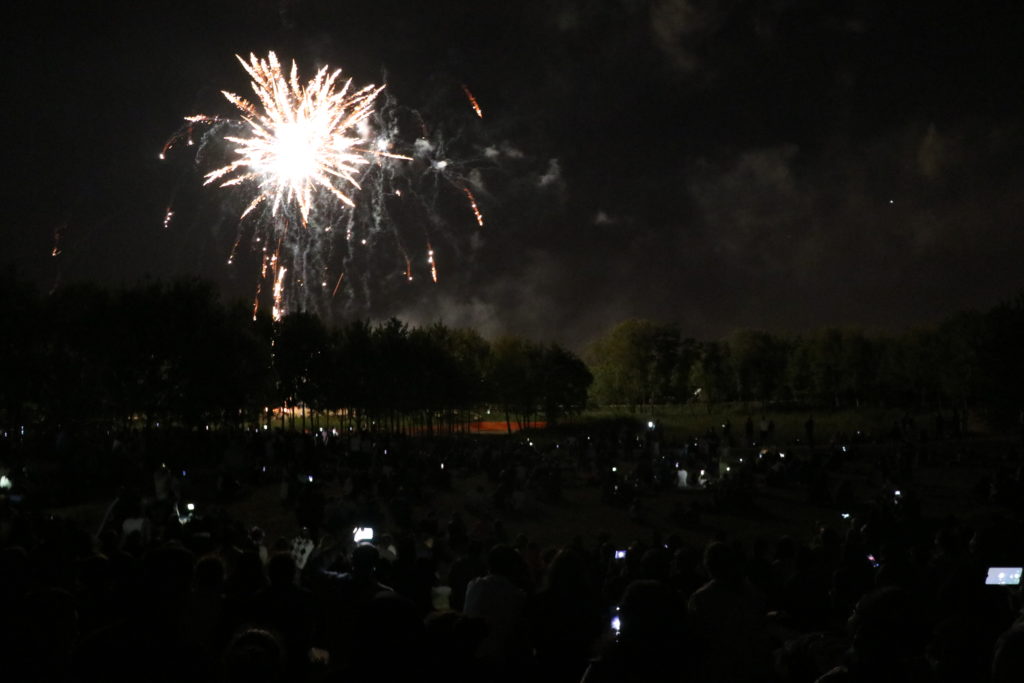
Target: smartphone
[(620, 554), (362, 533), (1003, 576)]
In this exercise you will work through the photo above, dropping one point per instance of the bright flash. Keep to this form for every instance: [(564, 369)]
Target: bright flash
[(303, 139)]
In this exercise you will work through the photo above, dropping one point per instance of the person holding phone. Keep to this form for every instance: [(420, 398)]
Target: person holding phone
[(652, 644)]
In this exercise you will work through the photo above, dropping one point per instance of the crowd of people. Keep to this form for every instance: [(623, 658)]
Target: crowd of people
[(376, 585)]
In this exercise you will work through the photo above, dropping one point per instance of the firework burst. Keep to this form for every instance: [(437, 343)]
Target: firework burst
[(321, 185), (302, 140)]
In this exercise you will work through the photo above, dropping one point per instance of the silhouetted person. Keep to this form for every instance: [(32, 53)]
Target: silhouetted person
[(729, 614), (466, 567), (345, 598), (497, 600), (255, 656), (286, 609), (882, 628), (652, 644), (565, 619)]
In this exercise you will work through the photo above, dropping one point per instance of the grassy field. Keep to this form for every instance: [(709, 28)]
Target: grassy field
[(944, 484), (694, 419)]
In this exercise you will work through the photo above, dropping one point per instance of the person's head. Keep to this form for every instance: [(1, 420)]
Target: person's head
[(567, 572), (502, 560), (364, 559), (656, 564), (649, 612), (254, 656), (880, 623), (721, 563), (209, 573), (281, 569)]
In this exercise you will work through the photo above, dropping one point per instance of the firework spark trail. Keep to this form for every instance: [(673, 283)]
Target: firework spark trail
[(337, 284), (472, 101), (256, 299), (473, 205), (432, 262), (57, 233), (234, 248), (168, 215), (277, 312)]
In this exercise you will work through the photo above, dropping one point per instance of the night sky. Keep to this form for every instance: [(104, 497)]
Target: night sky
[(776, 164)]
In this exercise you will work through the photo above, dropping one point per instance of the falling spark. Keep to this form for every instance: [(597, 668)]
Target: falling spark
[(337, 284), (432, 262), (234, 249), (168, 215), (472, 101), (256, 300), (278, 311), (303, 139), (476, 209), (408, 268), (57, 232)]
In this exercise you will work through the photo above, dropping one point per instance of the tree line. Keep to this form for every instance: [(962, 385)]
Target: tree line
[(174, 353), (970, 361)]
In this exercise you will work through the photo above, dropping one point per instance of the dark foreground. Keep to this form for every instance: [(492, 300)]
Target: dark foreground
[(500, 559)]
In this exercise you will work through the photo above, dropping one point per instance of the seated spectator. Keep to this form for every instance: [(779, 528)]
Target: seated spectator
[(883, 647), (345, 597), (730, 615), (452, 641), (286, 609), (1008, 660), (497, 600), (565, 618), (255, 656)]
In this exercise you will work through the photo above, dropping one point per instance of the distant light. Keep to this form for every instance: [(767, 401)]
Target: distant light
[(310, 478), (650, 424), (891, 201), (5, 483), (190, 506)]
